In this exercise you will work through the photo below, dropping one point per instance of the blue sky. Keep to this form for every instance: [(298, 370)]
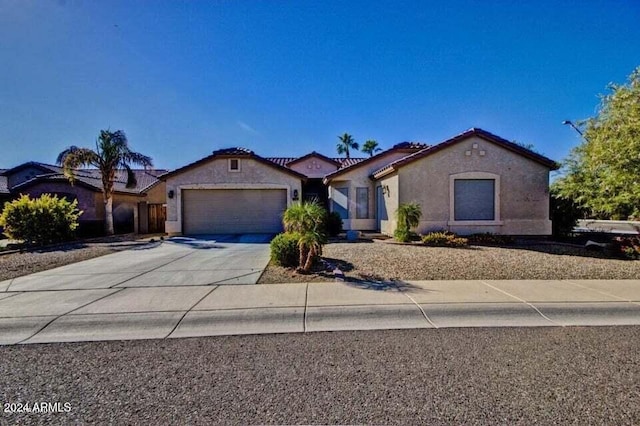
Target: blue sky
[(286, 77)]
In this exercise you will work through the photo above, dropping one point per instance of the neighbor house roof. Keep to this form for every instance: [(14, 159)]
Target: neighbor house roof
[(234, 152), (4, 185), (47, 168), (91, 178), (483, 134), (404, 147)]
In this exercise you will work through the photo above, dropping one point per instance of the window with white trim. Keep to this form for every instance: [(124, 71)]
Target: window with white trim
[(234, 164)]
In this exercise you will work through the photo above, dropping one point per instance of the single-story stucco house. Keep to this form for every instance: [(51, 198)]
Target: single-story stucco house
[(138, 208), (473, 182)]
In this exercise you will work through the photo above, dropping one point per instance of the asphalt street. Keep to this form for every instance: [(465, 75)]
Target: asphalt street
[(577, 375)]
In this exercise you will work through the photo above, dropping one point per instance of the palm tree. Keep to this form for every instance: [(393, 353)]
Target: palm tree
[(346, 143), (307, 219), (408, 216), (370, 147), (112, 153)]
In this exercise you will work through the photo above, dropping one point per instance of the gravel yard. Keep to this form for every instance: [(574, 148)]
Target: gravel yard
[(14, 265), (573, 375), (388, 261)]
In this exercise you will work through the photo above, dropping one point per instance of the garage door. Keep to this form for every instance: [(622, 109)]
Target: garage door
[(232, 211)]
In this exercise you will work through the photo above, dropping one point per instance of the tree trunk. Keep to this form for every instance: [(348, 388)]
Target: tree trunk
[(303, 256), (108, 215), (311, 255)]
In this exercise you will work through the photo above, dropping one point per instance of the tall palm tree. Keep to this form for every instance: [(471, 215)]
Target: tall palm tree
[(111, 154), (346, 143), (370, 147)]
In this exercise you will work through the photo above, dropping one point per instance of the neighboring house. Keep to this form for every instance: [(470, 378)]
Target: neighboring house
[(473, 182), (135, 209), (5, 194)]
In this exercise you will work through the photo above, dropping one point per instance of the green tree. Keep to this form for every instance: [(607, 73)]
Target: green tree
[(602, 174), (111, 154), (346, 144), (370, 147)]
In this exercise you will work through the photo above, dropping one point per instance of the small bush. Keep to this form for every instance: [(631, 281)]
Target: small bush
[(333, 224), (564, 215), (443, 239), (489, 238), (627, 247), (284, 249), (43, 220), (403, 235)]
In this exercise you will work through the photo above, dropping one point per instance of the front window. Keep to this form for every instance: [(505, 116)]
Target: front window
[(234, 165), (362, 203), (474, 199), (340, 202)]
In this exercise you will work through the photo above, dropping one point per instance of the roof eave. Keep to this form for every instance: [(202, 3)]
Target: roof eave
[(211, 157)]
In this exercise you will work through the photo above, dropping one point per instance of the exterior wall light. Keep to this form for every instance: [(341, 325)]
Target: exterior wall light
[(295, 195), (385, 190), (170, 194)]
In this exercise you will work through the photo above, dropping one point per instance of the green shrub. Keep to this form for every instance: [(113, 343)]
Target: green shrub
[(403, 235), (564, 215), (333, 224), (284, 249), (44, 220), (443, 239), (408, 215), (489, 238)]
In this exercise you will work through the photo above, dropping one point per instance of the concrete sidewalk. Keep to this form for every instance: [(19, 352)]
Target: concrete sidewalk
[(188, 311)]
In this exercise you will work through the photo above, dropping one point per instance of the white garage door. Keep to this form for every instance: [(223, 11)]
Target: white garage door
[(232, 211)]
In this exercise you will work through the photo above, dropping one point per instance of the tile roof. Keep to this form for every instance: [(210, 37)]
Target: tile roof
[(234, 151), (93, 179), (352, 163), (4, 185), (230, 152), (43, 166), (280, 161), (474, 131), (343, 162)]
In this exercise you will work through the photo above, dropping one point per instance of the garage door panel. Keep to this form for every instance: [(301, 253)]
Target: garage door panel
[(213, 211)]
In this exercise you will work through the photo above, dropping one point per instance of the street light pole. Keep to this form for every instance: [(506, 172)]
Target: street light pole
[(570, 123)]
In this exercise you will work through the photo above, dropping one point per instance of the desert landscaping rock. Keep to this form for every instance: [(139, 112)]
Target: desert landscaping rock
[(415, 262)]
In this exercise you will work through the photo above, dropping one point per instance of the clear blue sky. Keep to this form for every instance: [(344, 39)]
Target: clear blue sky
[(286, 77)]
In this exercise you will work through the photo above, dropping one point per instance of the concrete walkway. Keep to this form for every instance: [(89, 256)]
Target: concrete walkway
[(170, 311)]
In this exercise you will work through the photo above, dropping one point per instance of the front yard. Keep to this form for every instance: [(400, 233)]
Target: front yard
[(387, 261)]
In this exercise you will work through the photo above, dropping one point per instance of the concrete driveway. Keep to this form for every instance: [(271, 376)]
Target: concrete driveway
[(178, 261)]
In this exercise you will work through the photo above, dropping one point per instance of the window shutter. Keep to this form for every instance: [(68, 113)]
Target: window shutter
[(474, 199)]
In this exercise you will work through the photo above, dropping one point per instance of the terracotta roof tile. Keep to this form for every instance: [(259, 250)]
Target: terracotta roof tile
[(92, 178)]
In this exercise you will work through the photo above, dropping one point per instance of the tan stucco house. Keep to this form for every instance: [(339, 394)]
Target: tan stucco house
[(473, 182)]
